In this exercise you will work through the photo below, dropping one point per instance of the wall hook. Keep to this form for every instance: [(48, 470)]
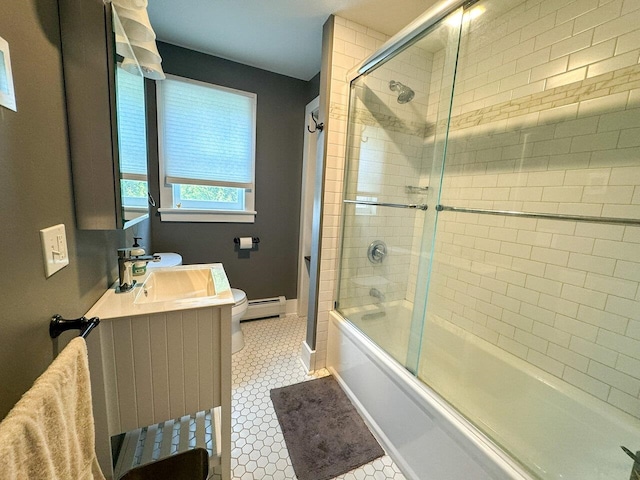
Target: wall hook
[(319, 126)]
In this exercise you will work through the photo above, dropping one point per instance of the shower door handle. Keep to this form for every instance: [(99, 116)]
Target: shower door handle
[(392, 205)]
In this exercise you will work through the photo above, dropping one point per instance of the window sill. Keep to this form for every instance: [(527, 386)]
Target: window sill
[(213, 216)]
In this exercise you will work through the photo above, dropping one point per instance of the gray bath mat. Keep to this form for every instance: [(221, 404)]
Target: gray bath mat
[(324, 434)]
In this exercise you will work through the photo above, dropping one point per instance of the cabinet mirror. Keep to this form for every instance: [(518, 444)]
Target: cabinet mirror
[(106, 118), (132, 145)]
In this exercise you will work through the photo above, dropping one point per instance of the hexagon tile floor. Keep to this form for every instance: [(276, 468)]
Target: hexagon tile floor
[(270, 359)]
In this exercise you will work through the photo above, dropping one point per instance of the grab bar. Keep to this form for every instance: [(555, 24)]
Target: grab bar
[(392, 205), (57, 325), (547, 216)]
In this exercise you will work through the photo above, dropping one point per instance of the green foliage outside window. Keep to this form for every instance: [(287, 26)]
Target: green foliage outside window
[(134, 188), (209, 194), (138, 189)]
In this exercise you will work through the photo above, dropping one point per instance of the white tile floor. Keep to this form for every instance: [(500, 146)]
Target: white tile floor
[(270, 359)]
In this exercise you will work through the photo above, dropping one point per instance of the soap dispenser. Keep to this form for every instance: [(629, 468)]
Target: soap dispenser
[(139, 268)]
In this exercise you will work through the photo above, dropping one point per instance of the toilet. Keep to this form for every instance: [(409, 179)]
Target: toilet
[(240, 302), (166, 260), (240, 305)]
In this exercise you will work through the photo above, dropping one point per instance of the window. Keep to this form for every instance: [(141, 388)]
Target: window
[(206, 139), (132, 143)]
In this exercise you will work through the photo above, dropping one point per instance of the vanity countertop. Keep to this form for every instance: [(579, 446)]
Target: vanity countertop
[(118, 305)]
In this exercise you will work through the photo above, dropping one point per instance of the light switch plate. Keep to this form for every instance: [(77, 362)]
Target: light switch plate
[(54, 249)]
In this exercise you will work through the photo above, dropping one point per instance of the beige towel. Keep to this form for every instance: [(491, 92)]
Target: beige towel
[(49, 433)]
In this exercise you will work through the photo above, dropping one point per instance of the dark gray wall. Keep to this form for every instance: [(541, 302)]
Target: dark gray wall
[(36, 192), (272, 269)]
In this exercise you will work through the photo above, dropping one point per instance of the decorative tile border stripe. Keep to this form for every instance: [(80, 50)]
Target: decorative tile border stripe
[(617, 81), (389, 123), (622, 80)]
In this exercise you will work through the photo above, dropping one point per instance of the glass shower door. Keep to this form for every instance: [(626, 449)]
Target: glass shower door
[(395, 146), (531, 329)]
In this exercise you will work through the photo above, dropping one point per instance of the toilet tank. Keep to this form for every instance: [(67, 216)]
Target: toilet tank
[(167, 259)]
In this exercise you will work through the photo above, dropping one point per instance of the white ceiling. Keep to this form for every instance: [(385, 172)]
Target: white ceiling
[(282, 36)]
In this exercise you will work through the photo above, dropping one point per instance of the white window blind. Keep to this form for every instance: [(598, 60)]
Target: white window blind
[(208, 134), (132, 136)]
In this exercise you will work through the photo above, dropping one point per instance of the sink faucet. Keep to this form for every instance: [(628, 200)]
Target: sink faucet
[(125, 262)]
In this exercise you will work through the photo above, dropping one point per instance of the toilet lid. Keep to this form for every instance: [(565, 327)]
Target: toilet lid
[(238, 296), (167, 259)]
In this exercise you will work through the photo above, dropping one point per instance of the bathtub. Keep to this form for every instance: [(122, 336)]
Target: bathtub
[(518, 403), (388, 325)]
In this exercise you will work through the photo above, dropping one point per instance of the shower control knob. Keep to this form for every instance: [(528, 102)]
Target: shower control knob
[(377, 251)]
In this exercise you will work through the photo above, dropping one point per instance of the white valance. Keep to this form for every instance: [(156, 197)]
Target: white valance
[(135, 39)]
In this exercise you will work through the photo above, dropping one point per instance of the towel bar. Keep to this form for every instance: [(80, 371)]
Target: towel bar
[(546, 216), (392, 205), (57, 325)]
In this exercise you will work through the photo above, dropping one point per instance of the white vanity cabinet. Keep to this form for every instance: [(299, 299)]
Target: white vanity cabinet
[(161, 362)]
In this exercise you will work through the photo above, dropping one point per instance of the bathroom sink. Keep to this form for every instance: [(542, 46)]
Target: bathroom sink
[(168, 289), (175, 284)]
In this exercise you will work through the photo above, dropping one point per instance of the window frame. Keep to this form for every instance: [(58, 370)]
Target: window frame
[(170, 213)]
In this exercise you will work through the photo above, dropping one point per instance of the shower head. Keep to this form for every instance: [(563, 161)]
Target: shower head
[(405, 94)]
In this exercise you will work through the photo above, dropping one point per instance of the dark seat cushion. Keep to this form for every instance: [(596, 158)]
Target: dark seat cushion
[(189, 465)]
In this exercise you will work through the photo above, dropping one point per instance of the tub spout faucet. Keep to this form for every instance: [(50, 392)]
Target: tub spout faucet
[(375, 293), (125, 262)]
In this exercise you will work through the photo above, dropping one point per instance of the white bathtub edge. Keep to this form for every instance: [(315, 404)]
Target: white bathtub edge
[(386, 443), (460, 430)]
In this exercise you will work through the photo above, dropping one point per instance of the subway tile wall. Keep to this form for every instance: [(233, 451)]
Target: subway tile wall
[(352, 43), (546, 118)]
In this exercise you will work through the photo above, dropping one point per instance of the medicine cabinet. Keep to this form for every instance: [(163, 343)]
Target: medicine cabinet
[(109, 173)]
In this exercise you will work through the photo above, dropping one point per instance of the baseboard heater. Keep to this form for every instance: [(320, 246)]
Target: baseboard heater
[(266, 307)]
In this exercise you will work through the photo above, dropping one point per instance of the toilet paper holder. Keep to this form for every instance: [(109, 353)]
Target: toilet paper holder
[(236, 240)]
